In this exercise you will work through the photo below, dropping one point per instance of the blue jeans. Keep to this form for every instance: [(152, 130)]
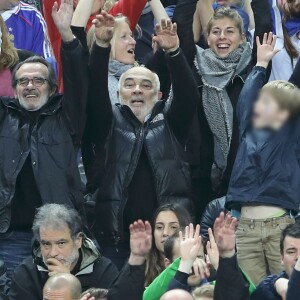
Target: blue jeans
[(15, 246)]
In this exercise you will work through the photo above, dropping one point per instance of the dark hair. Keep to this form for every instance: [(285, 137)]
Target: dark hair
[(155, 261), (169, 247), (37, 59), (97, 293), (290, 10), (57, 216), (293, 231)]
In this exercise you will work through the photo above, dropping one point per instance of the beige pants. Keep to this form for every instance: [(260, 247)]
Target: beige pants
[(258, 247)]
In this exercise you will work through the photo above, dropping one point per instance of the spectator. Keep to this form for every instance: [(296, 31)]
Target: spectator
[(205, 292), (276, 286), (9, 57), (213, 141), (177, 295), (129, 8), (98, 294), (268, 147), (62, 285), (141, 123), (167, 221), (27, 28), (63, 248), (40, 134), (286, 22)]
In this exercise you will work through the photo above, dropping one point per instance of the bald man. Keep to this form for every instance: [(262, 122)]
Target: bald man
[(62, 286), (177, 295), (143, 137)]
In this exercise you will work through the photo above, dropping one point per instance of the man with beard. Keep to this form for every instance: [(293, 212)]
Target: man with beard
[(61, 247)]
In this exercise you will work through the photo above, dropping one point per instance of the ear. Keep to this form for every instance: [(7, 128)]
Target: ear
[(78, 240), (53, 91), (243, 37), (207, 40), (282, 260), (15, 93), (159, 95), (167, 262)]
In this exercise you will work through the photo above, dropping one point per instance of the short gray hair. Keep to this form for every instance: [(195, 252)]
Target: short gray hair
[(57, 216)]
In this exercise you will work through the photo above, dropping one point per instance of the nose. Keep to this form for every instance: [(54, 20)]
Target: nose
[(53, 252), (166, 231), (222, 35), (132, 41), (137, 90)]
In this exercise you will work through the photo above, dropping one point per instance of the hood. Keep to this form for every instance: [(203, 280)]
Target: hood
[(89, 252)]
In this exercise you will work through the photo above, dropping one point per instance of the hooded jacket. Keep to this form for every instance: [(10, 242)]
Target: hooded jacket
[(94, 271), (52, 141)]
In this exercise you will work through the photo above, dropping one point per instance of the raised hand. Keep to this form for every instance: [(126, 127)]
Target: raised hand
[(87, 297), (166, 36), (62, 18), (266, 50), (212, 250), (140, 242), (104, 29), (224, 232), (55, 267)]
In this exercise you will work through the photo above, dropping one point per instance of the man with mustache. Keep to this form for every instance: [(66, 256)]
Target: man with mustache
[(40, 133), (61, 247)]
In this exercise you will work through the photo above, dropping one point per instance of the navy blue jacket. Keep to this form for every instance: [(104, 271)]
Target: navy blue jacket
[(266, 289), (265, 171), (294, 286)]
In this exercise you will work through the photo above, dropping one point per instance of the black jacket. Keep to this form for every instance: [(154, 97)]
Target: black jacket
[(200, 146), (162, 136), (265, 172), (52, 142), (94, 271), (211, 212)]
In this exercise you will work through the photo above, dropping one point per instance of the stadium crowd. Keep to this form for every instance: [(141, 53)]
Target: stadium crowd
[(149, 149)]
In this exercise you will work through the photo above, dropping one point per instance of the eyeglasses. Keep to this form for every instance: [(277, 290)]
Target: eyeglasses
[(36, 81)]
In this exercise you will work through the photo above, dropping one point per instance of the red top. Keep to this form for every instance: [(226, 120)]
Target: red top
[(132, 9), (5, 83)]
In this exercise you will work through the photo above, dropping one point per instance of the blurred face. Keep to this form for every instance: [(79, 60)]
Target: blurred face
[(58, 244), (291, 8), (57, 294), (291, 252), (8, 4), (124, 44), (166, 224), (224, 37), (32, 94), (267, 112), (138, 90)]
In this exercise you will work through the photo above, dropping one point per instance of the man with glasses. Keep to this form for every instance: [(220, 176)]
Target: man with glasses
[(40, 133)]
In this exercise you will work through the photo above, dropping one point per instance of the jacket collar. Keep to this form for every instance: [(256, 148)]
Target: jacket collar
[(50, 108), (89, 252)]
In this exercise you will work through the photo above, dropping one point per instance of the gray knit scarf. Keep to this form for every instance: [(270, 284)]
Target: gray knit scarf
[(216, 73), (115, 70)]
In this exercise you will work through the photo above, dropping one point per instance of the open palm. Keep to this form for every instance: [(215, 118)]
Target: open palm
[(62, 17), (104, 27), (266, 50)]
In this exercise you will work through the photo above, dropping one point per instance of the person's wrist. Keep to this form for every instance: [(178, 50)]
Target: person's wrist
[(227, 254), (171, 49), (262, 64), (102, 44), (136, 260), (185, 265), (67, 35)]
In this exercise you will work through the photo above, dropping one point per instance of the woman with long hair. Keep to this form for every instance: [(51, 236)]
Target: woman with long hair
[(9, 57), (286, 19), (167, 221)]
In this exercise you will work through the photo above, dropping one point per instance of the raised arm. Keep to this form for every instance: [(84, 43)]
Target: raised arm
[(82, 13), (206, 11), (158, 10), (99, 105), (75, 70), (185, 92), (230, 282), (255, 80)]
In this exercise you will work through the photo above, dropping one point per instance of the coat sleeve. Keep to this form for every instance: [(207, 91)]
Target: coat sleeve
[(249, 93), (132, 9), (75, 76), (294, 286), (130, 282), (185, 96), (179, 282), (99, 108), (24, 285), (230, 281)]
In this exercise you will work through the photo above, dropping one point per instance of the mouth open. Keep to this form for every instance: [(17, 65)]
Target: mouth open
[(131, 51), (223, 46), (137, 102)]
